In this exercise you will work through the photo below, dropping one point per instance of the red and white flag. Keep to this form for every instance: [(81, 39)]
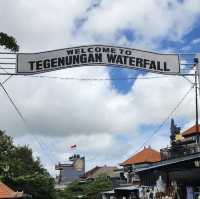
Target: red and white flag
[(73, 146)]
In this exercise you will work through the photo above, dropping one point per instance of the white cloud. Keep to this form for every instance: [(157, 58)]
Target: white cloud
[(41, 25), (61, 107), (196, 41), (88, 113), (150, 20)]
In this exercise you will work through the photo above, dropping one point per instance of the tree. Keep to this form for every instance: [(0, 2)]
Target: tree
[(88, 189), (6, 150), (23, 162), (97, 186), (8, 42), (24, 172), (39, 186)]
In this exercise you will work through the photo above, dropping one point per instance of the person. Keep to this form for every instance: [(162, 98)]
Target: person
[(141, 192), (151, 195)]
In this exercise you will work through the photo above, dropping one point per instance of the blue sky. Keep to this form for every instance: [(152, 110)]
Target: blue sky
[(114, 116)]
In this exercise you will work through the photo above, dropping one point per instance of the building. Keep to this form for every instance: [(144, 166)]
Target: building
[(178, 172), (110, 172), (172, 173), (107, 171), (185, 143), (69, 172), (145, 157), (122, 192), (129, 185), (7, 192)]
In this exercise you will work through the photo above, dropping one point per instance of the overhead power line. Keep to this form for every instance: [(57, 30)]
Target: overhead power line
[(24, 121), (4, 81), (12, 102), (166, 119), (97, 79)]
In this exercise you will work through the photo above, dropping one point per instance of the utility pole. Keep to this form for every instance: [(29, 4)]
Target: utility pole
[(196, 101), (197, 80)]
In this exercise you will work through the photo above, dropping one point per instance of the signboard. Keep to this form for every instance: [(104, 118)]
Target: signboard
[(31, 63)]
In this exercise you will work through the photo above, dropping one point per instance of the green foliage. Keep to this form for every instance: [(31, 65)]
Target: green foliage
[(38, 185), (23, 162), (98, 185), (88, 189), (74, 190), (6, 150), (22, 171), (8, 42)]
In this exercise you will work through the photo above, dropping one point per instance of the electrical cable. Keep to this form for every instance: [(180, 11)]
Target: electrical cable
[(166, 119), (12, 102), (22, 118), (188, 80), (9, 77), (97, 79)]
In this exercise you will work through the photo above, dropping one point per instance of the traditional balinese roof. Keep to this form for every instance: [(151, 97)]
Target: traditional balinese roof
[(147, 155), (91, 171), (6, 192), (170, 162), (99, 171), (191, 131)]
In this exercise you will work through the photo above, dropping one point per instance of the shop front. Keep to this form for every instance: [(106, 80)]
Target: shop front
[(174, 178)]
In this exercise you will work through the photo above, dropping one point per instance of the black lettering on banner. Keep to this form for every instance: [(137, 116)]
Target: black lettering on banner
[(146, 62), (152, 65), (97, 54), (70, 51), (125, 59), (39, 65), (121, 51), (165, 67), (91, 58), (111, 58), (119, 59), (98, 57), (31, 64), (132, 61), (76, 59), (128, 52), (61, 61), (97, 49), (83, 50), (113, 50), (83, 58), (77, 51), (158, 66), (68, 60), (90, 50), (105, 50), (46, 63), (54, 62), (139, 62)]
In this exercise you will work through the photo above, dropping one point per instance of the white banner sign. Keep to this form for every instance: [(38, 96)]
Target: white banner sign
[(30, 63)]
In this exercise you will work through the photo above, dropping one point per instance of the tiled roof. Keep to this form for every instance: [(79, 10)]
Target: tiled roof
[(98, 171), (191, 131), (91, 171), (147, 155), (6, 192)]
